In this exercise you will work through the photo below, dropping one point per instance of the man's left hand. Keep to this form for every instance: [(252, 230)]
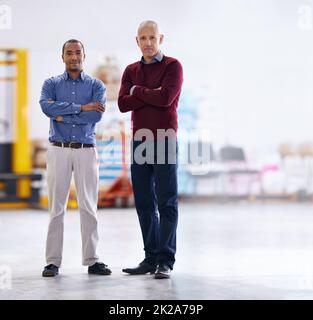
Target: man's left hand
[(59, 119)]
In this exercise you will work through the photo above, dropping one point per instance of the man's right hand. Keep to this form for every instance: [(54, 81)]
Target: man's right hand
[(98, 106)]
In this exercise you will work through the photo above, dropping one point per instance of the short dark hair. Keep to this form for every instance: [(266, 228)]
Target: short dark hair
[(72, 41)]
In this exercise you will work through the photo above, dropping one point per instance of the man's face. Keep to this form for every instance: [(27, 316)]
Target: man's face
[(73, 56), (149, 40)]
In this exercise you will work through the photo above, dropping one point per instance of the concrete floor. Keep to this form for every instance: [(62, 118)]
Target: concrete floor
[(225, 251)]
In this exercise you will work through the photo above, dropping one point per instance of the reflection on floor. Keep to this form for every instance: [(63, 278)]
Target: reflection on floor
[(225, 251)]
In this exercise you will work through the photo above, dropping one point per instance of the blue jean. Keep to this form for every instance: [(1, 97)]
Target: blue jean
[(155, 191)]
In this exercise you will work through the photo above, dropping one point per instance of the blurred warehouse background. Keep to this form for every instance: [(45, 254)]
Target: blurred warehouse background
[(245, 113), (247, 92)]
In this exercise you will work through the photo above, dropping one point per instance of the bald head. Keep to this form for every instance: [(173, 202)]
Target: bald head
[(149, 24), (149, 39)]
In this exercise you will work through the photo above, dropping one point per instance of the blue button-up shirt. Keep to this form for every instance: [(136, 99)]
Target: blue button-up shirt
[(63, 96)]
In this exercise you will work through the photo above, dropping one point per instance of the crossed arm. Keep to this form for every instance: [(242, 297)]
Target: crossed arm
[(126, 101), (70, 112), (141, 96)]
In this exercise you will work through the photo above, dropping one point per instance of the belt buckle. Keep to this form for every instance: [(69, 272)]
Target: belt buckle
[(70, 144)]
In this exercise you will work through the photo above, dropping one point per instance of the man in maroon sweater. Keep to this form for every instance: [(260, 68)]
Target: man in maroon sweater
[(150, 90)]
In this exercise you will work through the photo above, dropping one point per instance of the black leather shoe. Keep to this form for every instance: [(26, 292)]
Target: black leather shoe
[(100, 269), (142, 268), (50, 271), (163, 271)]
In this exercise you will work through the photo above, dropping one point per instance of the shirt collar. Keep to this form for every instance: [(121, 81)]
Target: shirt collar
[(80, 77), (157, 58)]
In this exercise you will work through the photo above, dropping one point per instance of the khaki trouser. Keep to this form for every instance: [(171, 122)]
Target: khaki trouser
[(61, 162)]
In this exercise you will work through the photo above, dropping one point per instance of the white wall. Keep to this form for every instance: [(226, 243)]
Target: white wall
[(252, 59)]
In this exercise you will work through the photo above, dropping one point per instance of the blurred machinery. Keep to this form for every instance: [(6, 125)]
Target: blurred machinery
[(120, 192), (17, 182), (112, 144)]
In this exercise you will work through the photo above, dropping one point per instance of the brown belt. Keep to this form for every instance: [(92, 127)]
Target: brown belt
[(74, 145)]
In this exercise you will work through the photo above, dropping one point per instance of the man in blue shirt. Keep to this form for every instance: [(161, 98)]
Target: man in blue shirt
[(74, 102)]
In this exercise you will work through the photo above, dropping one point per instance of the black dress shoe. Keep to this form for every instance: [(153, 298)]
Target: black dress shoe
[(50, 271), (142, 268), (100, 269), (163, 271)]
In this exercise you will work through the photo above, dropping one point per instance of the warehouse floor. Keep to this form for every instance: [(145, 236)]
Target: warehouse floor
[(225, 251)]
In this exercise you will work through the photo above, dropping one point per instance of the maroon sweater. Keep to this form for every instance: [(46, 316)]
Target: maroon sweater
[(152, 109)]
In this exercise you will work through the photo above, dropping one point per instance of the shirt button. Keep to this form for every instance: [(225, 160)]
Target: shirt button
[(73, 82), (73, 125), (73, 136), (73, 92)]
